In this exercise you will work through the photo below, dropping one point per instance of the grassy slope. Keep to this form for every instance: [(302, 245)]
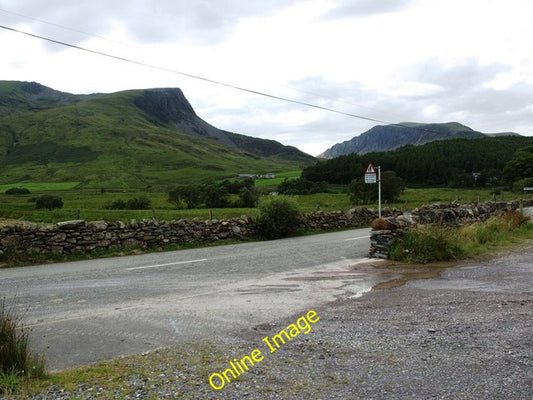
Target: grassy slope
[(107, 142)]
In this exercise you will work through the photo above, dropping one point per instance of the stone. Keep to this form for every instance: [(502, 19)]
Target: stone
[(11, 240), (60, 237), (74, 224), (97, 226), (132, 243)]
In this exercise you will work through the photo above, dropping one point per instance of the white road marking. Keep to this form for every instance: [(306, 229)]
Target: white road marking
[(164, 265), (174, 325), (356, 238)]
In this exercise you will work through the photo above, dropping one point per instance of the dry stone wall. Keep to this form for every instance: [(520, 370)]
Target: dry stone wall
[(81, 237), (387, 230)]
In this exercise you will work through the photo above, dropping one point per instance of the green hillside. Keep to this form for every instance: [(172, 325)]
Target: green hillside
[(108, 141)]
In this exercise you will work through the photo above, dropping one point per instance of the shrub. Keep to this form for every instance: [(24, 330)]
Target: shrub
[(189, 196), (138, 203), (425, 245), (16, 360), (279, 217), (115, 205), (514, 219), (519, 185), (48, 202), (248, 198), (15, 191)]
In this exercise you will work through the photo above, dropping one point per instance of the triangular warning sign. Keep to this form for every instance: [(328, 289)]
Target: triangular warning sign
[(370, 169)]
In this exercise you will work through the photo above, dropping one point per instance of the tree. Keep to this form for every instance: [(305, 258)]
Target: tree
[(216, 196), (248, 197), (521, 165), (365, 193), (48, 202), (392, 186), (301, 186), (361, 192), (189, 196)]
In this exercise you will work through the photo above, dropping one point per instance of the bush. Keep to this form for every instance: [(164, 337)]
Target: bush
[(186, 196), (48, 202), (139, 203), (248, 198), (115, 205), (301, 186), (279, 217), (16, 360), (519, 185), (425, 245), (15, 191)]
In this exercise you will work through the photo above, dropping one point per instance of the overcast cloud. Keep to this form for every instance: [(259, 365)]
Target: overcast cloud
[(469, 61)]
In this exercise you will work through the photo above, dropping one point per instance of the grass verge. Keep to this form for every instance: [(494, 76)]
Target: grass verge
[(180, 369), (17, 363), (435, 243)]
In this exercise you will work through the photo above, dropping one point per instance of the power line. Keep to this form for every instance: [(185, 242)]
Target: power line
[(131, 45), (213, 81), (201, 78)]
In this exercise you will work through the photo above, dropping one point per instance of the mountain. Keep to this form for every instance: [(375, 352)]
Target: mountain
[(128, 139), (460, 162), (390, 137), (500, 134)]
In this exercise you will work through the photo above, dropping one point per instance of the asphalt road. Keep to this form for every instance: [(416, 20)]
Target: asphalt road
[(87, 311)]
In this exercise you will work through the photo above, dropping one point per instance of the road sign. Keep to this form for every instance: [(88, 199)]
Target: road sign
[(371, 178), (370, 174)]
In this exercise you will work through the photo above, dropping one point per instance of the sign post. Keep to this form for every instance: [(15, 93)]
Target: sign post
[(370, 177)]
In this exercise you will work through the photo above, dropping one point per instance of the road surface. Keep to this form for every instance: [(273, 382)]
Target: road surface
[(81, 312)]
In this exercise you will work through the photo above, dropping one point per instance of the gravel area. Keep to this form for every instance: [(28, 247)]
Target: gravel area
[(465, 335)]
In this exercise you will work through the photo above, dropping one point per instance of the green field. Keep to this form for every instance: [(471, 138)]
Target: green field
[(89, 204), (278, 179), (40, 187)]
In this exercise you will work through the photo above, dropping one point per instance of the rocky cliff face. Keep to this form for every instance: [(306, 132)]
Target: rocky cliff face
[(390, 137), (170, 106)]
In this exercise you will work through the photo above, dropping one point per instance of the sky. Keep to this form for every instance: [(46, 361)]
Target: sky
[(469, 61)]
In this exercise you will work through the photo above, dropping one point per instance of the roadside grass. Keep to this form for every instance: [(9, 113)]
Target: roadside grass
[(18, 363), (190, 364), (434, 243)]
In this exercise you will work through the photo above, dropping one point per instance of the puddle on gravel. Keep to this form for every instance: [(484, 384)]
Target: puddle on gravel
[(400, 273)]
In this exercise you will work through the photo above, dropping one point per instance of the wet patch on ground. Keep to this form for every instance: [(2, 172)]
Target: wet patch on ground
[(401, 273)]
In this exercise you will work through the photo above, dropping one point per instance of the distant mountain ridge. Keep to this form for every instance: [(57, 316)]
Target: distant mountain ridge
[(132, 138), (390, 137)]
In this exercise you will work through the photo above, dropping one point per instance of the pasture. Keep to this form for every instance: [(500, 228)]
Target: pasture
[(89, 204)]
